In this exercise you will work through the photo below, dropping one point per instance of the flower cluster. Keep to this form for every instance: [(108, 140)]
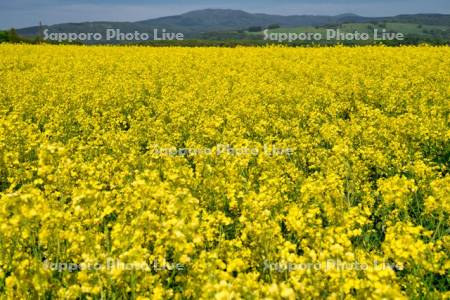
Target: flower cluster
[(81, 182)]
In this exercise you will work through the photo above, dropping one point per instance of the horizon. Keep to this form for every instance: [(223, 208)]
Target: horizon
[(25, 13), (241, 10)]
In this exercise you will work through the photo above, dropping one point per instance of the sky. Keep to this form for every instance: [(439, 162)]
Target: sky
[(24, 13)]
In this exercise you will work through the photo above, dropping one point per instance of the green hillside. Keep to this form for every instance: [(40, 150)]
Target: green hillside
[(426, 33), (233, 27), (406, 28)]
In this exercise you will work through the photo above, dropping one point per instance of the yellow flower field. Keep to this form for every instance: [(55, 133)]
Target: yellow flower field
[(214, 173)]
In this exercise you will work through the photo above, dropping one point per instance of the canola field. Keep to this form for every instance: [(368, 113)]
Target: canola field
[(213, 173)]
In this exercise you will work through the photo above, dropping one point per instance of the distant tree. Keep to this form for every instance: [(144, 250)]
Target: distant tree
[(331, 26), (273, 26), (3, 36), (38, 40), (12, 36), (255, 29)]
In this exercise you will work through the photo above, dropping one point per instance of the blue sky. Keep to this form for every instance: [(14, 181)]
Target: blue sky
[(22, 13)]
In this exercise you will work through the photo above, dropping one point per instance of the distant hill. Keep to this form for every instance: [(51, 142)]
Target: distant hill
[(226, 19), (424, 19), (197, 24), (200, 21)]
